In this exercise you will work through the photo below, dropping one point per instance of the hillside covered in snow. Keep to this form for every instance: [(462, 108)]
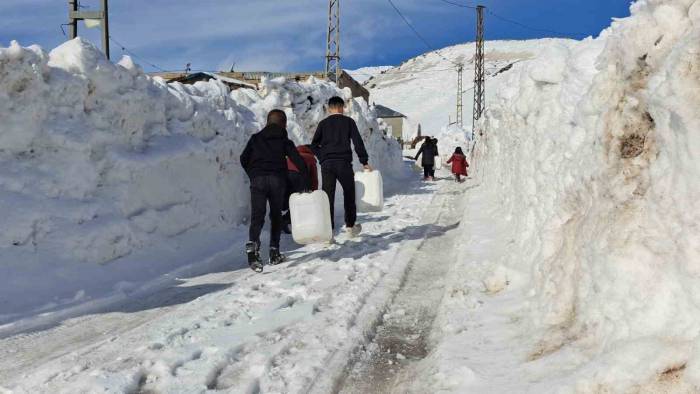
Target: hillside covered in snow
[(424, 88), (364, 74)]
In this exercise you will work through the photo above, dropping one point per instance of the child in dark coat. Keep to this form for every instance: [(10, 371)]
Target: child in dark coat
[(429, 150), (459, 164)]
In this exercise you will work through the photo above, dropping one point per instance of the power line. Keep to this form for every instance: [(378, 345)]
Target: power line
[(427, 44), (403, 72), (397, 71), (514, 22), (64, 30), (135, 56), (524, 26), (458, 4)]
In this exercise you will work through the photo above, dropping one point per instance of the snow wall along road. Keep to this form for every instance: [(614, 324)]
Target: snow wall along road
[(101, 164), (594, 154)]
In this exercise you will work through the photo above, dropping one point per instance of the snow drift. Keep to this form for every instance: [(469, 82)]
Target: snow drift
[(100, 164), (594, 154)]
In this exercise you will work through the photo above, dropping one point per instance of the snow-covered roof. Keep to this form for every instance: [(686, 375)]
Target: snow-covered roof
[(230, 80), (386, 112)]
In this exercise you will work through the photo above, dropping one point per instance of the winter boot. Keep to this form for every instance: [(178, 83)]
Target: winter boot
[(354, 231), (252, 249), (286, 222), (276, 257)]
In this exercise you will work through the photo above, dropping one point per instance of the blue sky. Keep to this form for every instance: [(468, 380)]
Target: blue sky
[(286, 35)]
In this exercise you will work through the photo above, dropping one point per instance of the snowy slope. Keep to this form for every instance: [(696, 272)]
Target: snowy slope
[(109, 178), (424, 88), (364, 74)]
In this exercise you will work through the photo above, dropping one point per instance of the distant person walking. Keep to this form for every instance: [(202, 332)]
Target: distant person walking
[(265, 161), (331, 143), (429, 150), (459, 164), (295, 181)]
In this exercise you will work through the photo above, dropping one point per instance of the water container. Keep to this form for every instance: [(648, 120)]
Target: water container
[(438, 162), (311, 217), (369, 191)]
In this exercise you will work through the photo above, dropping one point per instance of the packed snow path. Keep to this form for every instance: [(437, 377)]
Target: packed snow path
[(292, 329), (403, 336)]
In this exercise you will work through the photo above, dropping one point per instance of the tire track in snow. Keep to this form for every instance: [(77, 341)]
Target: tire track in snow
[(401, 338)]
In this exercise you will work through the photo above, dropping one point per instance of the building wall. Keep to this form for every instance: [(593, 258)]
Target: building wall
[(396, 126), (346, 81)]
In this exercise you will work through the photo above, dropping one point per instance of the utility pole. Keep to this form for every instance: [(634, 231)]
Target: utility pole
[(479, 72), (460, 93), (105, 27), (75, 15), (332, 69)]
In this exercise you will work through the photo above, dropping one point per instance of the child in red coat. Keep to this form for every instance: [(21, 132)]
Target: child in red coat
[(459, 164)]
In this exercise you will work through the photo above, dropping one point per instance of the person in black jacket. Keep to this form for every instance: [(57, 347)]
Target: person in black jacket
[(264, 159), (331, 144), (429, 150)]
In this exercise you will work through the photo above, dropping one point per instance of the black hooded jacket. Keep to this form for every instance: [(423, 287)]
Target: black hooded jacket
[(332, 140), (267, 151), (429, 150)]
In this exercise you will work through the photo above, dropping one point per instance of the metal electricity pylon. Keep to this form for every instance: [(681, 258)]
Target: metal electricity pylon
[(460, 94), (332, 69), (479, 72)]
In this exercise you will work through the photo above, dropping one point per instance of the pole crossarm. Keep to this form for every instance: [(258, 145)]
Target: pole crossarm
[(75, 15), (82, 15)]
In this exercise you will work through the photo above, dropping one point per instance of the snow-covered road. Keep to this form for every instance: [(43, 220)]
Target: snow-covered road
[(292, 329), (402, 338)]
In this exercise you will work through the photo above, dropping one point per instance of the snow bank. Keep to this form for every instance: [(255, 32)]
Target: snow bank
[(594, 154), (100, 163), (451, 137)]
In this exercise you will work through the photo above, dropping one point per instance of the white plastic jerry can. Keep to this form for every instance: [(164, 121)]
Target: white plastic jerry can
[(369, 191), (311, 217), (438, 162)]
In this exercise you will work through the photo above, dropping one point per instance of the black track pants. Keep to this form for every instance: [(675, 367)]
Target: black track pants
[(341, 171), (264, 189), (428, 171)]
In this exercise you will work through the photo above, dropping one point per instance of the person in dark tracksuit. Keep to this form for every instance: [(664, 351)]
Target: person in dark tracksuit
[(331, 143), (429, 151), (265, 161)]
